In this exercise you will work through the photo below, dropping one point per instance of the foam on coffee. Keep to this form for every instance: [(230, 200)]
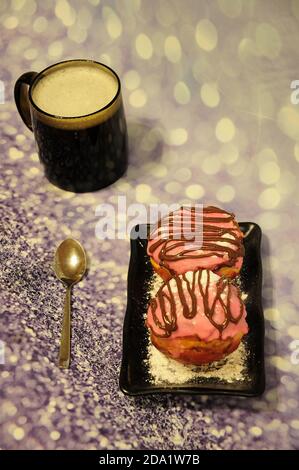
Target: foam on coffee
[(75, 90)]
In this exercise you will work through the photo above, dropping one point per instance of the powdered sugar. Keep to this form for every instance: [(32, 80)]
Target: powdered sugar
[(163, 369), (154, 285)]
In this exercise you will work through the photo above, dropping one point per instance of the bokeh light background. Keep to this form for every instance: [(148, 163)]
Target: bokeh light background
[(206, 86)]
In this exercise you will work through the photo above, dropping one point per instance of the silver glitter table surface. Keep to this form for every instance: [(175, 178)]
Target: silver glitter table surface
[(207, 93)]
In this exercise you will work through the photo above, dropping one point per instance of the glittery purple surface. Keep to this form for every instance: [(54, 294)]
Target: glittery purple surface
[(207, 92)]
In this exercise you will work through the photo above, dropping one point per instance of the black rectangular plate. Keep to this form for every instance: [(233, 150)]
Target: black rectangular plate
[(134, 375)]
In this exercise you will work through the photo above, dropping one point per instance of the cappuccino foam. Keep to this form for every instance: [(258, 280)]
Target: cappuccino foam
[(75, 90)]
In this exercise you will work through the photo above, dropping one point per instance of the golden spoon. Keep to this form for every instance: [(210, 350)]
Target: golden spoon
[(70, 266)]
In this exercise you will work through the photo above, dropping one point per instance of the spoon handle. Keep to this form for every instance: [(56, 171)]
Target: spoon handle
[(65, 342)]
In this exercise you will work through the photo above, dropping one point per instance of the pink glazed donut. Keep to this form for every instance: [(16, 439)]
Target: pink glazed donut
[(220, 250), (197, 317)]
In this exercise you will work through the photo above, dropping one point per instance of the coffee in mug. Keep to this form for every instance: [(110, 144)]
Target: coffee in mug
[(76, 112)]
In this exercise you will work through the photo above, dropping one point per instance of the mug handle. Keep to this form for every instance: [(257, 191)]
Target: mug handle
[(21, 96)]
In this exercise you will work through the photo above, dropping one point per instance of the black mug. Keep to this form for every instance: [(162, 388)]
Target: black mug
[(76, 113)]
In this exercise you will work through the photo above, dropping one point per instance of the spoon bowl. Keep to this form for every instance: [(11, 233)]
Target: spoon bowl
[(70, 261)]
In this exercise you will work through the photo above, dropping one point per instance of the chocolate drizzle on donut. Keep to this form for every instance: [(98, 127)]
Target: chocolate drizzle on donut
[(188, 296), (213, 236)]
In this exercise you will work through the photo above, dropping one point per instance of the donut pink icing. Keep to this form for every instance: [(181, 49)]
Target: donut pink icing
[(221, 243), (198, 304)]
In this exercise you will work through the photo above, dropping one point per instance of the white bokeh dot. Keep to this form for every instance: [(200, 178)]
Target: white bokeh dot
[(269, 198), (211, 165), (269, 173), (225, 130), (288, 121), (131, 79), (173, 187), (210, 95), (181, 93), (230, 8), (113, 22), (144, 46), (143, 193), (206, 35), (177, 136), (229, 153), (225, 193), (183, 175), (172, 49), (195, 191), (138, 98)]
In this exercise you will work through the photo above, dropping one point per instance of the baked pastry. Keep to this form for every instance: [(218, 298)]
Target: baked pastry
[(197, 317), (220, 248)]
